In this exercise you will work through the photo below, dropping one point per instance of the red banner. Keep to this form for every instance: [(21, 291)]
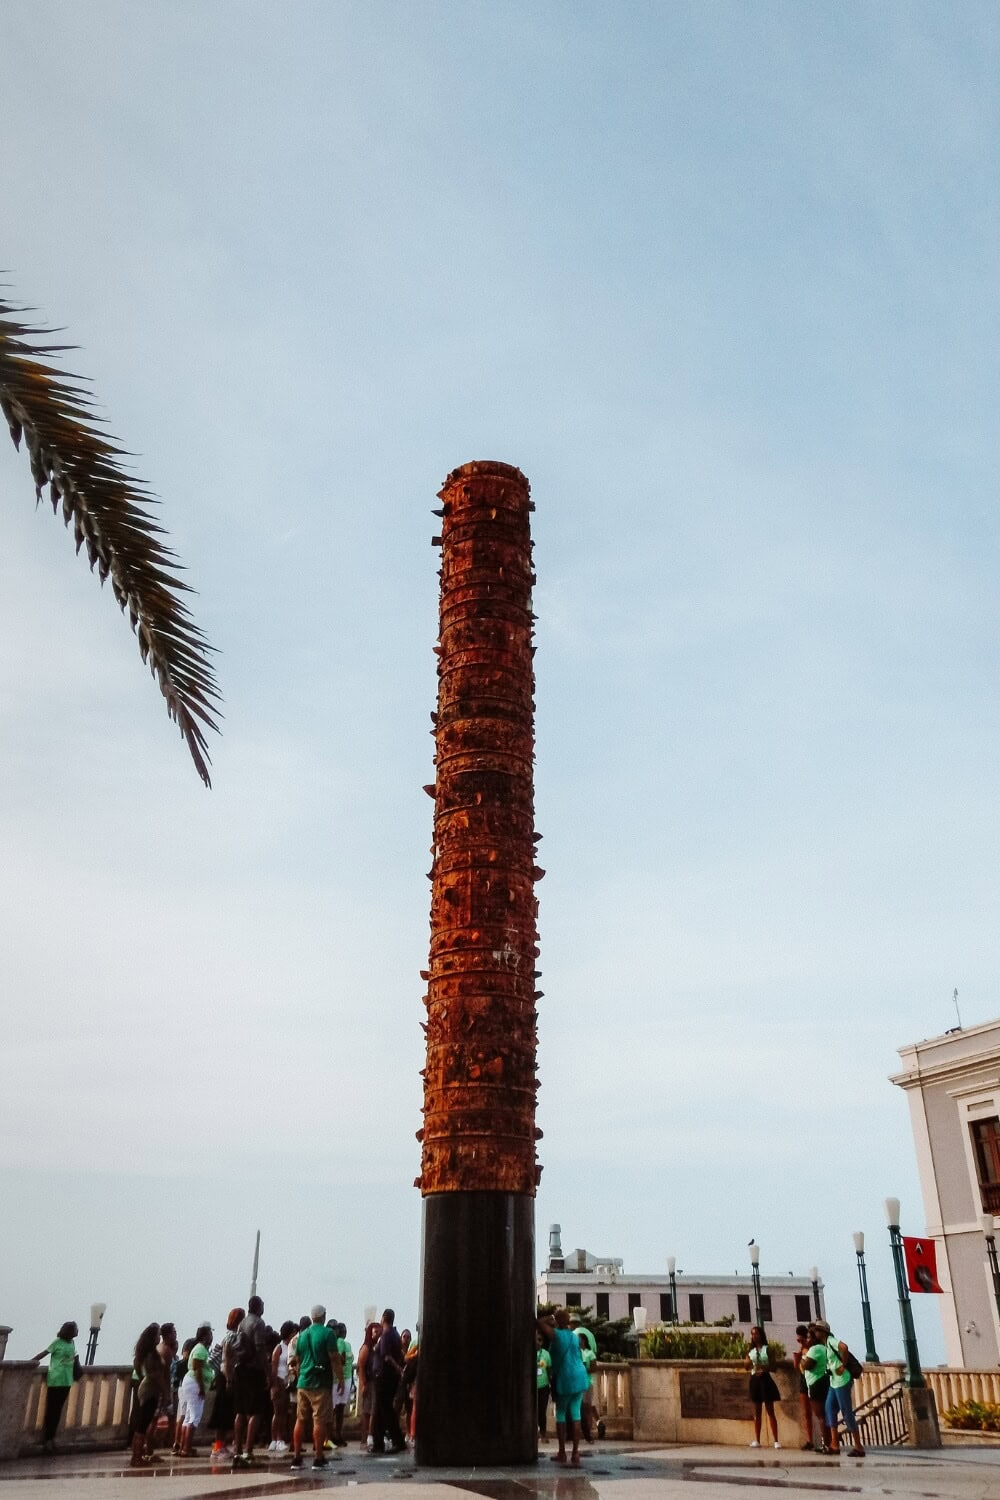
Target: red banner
[(921, 1264)]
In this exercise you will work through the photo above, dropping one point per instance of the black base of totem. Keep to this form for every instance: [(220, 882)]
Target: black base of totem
[(476, 1401)]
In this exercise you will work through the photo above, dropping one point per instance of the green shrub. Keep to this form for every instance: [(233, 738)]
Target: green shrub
[(616, 1339), (670, 1341), (975, 1416), (681, 1343)]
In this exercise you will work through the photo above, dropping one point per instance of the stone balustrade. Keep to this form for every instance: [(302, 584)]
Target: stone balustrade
[(613, 1399), (952, 1387), (95, 1416), (649, 1400)]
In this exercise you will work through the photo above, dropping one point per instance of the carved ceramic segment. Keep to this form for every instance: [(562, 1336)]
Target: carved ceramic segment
[(479, 1081)]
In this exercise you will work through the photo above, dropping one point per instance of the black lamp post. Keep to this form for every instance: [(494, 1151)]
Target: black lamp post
[(97, 1311), (989, 1226), (814, 1278), (671, 1271), (755, 1277), (914, 1374), (871, 1357)]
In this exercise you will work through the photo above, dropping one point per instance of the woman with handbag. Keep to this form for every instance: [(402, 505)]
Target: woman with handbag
[(839, 1360), (64, 1369)]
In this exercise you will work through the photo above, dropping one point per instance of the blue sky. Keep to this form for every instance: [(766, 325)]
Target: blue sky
[(722, 280)]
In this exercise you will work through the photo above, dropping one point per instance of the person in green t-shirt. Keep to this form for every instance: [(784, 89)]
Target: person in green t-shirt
[(803, 1341), (763, 1390), (813, 1366), (838, 1400), (544, 1367), (588, 1353), (194, 1387), (320, 1368), (59, 1380)]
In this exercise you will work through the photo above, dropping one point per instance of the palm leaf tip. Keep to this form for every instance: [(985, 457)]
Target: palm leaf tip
[(81, 465)]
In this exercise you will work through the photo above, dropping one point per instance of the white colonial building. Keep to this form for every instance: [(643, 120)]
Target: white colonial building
[(580, 1279), (952, 1083)]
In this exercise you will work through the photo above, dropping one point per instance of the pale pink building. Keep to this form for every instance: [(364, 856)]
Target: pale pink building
[(952, 1083)]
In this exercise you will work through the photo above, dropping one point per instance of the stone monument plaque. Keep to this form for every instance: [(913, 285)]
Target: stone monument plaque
[(716, 1393)]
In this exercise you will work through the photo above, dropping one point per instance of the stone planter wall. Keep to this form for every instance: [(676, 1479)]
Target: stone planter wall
[(706, 1401)]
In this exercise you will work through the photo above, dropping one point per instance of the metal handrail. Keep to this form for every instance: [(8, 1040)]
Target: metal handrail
[(882, 1418)]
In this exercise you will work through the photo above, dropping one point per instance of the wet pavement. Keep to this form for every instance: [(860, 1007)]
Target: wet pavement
[(617, 1471)]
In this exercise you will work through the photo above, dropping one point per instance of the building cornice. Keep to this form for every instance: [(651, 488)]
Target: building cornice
[(954, 1067)]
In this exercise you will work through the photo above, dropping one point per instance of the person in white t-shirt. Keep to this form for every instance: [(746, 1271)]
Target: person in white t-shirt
[(280, 1401)]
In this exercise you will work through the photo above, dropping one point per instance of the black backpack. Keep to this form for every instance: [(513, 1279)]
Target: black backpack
[(850, 1362)]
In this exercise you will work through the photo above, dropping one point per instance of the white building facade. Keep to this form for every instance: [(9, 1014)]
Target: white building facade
[(581, 1279), (952, 1084)]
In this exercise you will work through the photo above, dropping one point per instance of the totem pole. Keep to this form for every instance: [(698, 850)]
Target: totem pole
[(476, 1402)]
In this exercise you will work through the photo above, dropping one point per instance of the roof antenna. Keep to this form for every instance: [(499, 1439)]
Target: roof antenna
[(957, 1011)]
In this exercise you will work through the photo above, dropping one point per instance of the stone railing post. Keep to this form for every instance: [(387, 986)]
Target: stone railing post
[(18, 1380)]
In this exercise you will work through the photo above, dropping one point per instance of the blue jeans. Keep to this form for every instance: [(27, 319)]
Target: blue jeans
[(838, 1402)]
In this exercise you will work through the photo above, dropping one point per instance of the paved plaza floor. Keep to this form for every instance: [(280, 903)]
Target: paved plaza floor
[(616, 1471)]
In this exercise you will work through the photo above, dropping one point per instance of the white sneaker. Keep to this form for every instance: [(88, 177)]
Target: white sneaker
[(281, 1446), (777, 1445), (272, 1446), (370, 1444), (755, 1444)]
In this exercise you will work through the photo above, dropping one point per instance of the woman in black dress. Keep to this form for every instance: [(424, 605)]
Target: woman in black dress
[(763, 1391)]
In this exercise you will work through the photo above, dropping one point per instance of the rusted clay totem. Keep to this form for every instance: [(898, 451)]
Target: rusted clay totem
[(478, 1171)]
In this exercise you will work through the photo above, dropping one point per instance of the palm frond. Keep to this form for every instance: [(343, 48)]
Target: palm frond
[(82, 468)]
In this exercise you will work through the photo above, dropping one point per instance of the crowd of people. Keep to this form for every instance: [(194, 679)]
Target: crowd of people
[(290, 1387), (826, 1369), (256, 1389)]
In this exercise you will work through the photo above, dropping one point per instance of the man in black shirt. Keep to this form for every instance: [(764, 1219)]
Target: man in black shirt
[(251, 1393), (387, 1367)]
